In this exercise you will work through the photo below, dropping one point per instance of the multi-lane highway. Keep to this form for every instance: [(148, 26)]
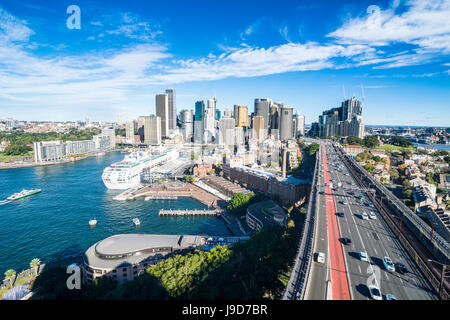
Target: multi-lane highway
[(343, 275)]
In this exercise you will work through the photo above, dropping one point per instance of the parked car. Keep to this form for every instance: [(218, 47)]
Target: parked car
[(375, 293), (340, 214), (372, 215), (364, 216), (388, 264)]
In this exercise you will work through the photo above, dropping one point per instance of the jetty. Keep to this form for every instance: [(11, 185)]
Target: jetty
[(161, 197), (190, 212)]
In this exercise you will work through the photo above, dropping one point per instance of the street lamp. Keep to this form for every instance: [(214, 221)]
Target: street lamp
[(444, 266)]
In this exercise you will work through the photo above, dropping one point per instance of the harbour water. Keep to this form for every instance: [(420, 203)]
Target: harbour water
[(55, 221), (434, 146)]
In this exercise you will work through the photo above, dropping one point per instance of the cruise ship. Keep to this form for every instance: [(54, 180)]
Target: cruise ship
[(127, 173)]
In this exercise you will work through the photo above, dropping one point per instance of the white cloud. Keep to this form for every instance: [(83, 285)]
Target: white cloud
[(425, 25), (13, 29), (133, 28)]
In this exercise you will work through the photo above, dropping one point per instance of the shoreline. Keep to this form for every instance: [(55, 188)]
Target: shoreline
[(34, 164)]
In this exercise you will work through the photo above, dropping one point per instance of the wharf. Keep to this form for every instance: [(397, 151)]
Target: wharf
[(192, 212), (161, 197)]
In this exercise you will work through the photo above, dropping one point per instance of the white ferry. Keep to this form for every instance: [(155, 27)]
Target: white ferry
[(127, 173), (22, 194)]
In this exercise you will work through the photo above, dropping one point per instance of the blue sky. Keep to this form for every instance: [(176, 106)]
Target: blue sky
[(301, 53)]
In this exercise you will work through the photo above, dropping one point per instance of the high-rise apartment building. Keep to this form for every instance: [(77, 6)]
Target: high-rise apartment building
[(343, 121), (162, 111)]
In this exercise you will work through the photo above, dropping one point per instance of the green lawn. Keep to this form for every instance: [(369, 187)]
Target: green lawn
[(390, 147), (5, 158)]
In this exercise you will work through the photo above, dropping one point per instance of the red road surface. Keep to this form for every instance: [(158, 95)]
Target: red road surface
[(339, 281)]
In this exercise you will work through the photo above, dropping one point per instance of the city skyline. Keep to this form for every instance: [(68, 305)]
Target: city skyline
[(124, 54)]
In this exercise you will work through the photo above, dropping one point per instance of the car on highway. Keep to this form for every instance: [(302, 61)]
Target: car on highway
[(375, 293), (347, 241), (364, 216), (320, 257), (400, 268), (388, 264), (340, 214), (372, 215), (363, 256), (390, 297)]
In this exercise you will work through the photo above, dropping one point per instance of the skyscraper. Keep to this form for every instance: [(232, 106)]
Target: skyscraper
[(172, 104), (187, 123), (241, 116), (262, 108), (152, 130), (129, 131), (258, 128), (351, 107), (198, 123), (343, 121), (210, 121), (286, 122), (226, 131), (162, 111)]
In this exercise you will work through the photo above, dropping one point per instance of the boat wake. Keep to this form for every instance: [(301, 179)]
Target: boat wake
[(4, 202)]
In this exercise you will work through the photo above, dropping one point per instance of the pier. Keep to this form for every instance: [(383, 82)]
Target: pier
[(161, 197), (192, 212)]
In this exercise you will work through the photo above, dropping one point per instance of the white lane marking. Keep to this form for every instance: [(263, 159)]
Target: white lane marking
[(375, 250)]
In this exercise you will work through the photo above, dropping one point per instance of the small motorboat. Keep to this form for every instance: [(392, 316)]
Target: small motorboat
[(93, 222), (136, 221)]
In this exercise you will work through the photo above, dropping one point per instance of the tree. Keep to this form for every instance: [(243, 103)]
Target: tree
[(371, 141), (406, 184), (17, 150), (400, 141), (239, 202), (369, 167), (355, 140), (394, 174), (10, 274), (35, 263)]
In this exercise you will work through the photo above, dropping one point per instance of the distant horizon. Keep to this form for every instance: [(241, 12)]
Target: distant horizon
[(306, 124)]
